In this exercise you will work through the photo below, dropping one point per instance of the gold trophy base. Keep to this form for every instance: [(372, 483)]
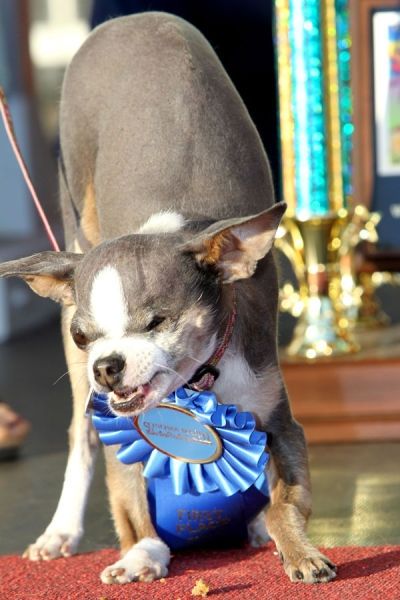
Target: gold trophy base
[(316, 334), (321, 251)]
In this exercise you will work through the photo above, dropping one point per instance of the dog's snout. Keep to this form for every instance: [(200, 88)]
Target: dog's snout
[(108, 370)]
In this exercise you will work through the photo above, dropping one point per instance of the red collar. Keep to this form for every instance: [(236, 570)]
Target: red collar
[(206, 375)]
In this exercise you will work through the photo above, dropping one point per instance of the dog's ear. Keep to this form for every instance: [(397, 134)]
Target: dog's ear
[(234, 246), (49, 274)]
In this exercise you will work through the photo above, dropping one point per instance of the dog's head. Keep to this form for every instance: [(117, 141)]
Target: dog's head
[(149, 307)]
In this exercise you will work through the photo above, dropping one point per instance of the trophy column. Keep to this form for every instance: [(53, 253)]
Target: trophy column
[(321, 229)]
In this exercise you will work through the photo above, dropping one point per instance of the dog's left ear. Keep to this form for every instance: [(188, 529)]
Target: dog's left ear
[(234, 246), (49, 274)]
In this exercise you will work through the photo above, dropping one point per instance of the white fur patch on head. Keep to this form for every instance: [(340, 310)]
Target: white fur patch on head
[(163, 222), (108, 304)]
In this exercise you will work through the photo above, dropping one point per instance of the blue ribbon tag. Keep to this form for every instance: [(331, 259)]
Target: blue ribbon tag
[(177, 433), (204, 462)]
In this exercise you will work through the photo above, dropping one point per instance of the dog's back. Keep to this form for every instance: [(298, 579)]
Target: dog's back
[(150, 121)]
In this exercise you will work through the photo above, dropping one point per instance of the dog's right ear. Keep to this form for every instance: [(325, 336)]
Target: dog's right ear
[(49, 274), (234, 246)]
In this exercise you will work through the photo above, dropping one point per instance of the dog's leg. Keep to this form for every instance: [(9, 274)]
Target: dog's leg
[(66, 527), (144, 556), (257, 531), (290, 505)]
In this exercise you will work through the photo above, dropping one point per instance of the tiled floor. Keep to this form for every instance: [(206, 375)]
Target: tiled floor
[(356, 488)]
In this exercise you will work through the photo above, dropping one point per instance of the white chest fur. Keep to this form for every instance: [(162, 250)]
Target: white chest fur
[(239, 385)]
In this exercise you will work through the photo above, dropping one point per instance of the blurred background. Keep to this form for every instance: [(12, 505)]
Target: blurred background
[(352, 402)]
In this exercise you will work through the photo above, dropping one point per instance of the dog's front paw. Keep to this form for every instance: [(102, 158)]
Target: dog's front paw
[(53, 544), (309, 567), (145, 561)]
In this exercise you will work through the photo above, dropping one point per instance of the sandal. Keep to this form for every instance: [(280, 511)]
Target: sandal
[(13, 431)]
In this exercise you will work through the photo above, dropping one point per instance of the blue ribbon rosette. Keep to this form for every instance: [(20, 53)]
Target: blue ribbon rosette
[(204, 463)]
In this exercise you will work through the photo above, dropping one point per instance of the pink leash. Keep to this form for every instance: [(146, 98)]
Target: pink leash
[(8, 124)]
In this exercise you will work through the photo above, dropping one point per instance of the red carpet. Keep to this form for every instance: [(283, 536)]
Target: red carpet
[(364, 574)]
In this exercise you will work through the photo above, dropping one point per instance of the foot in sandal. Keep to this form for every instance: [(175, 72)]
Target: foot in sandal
[(13, 431)]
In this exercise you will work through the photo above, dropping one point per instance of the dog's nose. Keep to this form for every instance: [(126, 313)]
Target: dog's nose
[(108, 370)]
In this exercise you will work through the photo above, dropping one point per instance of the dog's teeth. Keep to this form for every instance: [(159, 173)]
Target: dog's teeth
[(128, 399), (125, 392)]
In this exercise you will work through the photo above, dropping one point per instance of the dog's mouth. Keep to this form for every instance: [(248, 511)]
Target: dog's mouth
[(128, 399)]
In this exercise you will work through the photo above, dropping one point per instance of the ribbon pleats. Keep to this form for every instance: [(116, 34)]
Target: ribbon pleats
[(241, 463)]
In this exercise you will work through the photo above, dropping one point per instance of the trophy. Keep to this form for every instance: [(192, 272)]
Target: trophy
[(322, 228)]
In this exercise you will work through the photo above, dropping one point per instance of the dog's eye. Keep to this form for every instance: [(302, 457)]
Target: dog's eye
[(154, 323), (79, 338)]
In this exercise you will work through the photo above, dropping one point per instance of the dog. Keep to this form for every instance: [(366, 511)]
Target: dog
[(169, 215)]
